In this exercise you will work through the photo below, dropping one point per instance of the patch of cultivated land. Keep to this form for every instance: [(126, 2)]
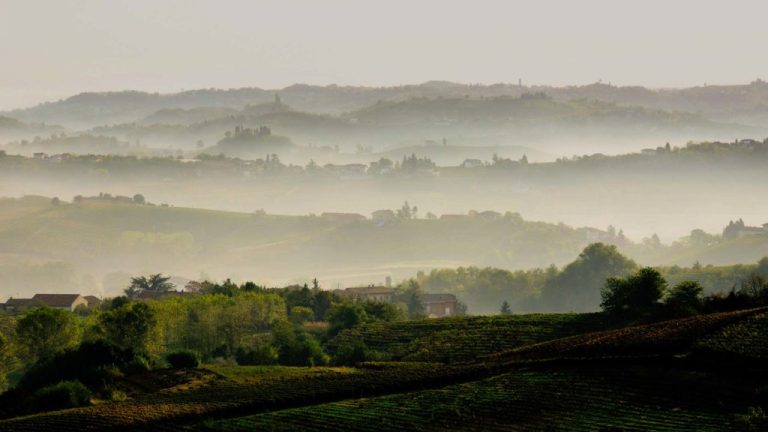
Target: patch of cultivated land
[(633, 398), (242, 390), (634, 378), (464, 339)]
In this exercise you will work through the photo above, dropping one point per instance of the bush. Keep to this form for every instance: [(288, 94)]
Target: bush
[(754, 420), (261, 355), (354, 352), (635, 296), (183, 359), (93, 363), (66, 394), (296, 347)]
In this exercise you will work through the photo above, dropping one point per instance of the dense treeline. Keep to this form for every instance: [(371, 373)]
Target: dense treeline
[(576, 287), (247, 324)]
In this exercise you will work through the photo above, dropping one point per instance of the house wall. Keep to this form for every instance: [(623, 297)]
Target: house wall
[(80, 301), (441, 309)]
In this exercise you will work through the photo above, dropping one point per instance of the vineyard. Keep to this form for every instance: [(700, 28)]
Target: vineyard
[(747, 338), (247, 392), (517, 388), (664, 338), (636, 399), (450, 340)]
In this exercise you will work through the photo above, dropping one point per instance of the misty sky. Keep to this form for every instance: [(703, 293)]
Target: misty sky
[(52, 49)]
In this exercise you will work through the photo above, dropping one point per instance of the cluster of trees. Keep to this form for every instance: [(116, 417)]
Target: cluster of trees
[(646, 295), (574, 288)]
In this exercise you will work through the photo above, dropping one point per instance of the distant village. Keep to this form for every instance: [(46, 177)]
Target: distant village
[(435, 305)]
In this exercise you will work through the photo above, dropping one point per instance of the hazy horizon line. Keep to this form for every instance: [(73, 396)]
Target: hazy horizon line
[(168, 92)]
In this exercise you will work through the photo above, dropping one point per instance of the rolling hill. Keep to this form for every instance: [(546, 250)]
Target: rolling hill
[(618, 389)]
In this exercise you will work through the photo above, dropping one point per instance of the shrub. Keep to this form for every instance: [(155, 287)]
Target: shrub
[(261, 355), (93, 363), (301, 314), (354, 352), (634, 296), (754, 420), (296, 347), (66, 394), (183, 359)]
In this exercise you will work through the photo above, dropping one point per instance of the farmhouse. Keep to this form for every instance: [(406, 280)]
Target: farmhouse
[(15, 304), (439, 305), (382, 217), (369, 293), (69, 302), (93, 301), (472, 163)]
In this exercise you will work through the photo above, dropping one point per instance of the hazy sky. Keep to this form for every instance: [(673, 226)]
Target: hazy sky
[(52, 49)]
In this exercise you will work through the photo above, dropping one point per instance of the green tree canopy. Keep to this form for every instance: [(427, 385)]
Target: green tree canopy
[(5, 362), (43, 332), (577, 287), (684, 298), (155, 283), (634, 296), (345, 315), (505, 309), (128, 326)]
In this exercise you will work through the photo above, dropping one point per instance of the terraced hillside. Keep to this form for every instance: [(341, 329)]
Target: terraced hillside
[(630, 378), (653, 340), (626, 399), (465, 339), (245, 390), (747, 338)]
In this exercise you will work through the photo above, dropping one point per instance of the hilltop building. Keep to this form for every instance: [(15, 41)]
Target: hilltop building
[(383, 217), (369, 293), (439, 305), (68, 302), (435, 305)]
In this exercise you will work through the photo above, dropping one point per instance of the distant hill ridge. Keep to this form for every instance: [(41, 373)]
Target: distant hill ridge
[(115, 107)]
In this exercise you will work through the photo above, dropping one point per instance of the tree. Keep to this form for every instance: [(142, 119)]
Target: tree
[(505, 309), (405, 212), (412, 296), (382, 311), (139, 199), (345, 315), (460, 309), (684, 298), (301, 314), (153, 283), (634, 296), (296, 347), (5, 362), (577, 287), (43, 332), (128, 326)]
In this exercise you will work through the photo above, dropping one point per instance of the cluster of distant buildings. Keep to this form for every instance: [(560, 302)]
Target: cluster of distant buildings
[(68, 302), (385, 216), (435, 305)]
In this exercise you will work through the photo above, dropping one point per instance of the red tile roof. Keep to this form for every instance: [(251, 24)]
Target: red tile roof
[(56, 300)]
